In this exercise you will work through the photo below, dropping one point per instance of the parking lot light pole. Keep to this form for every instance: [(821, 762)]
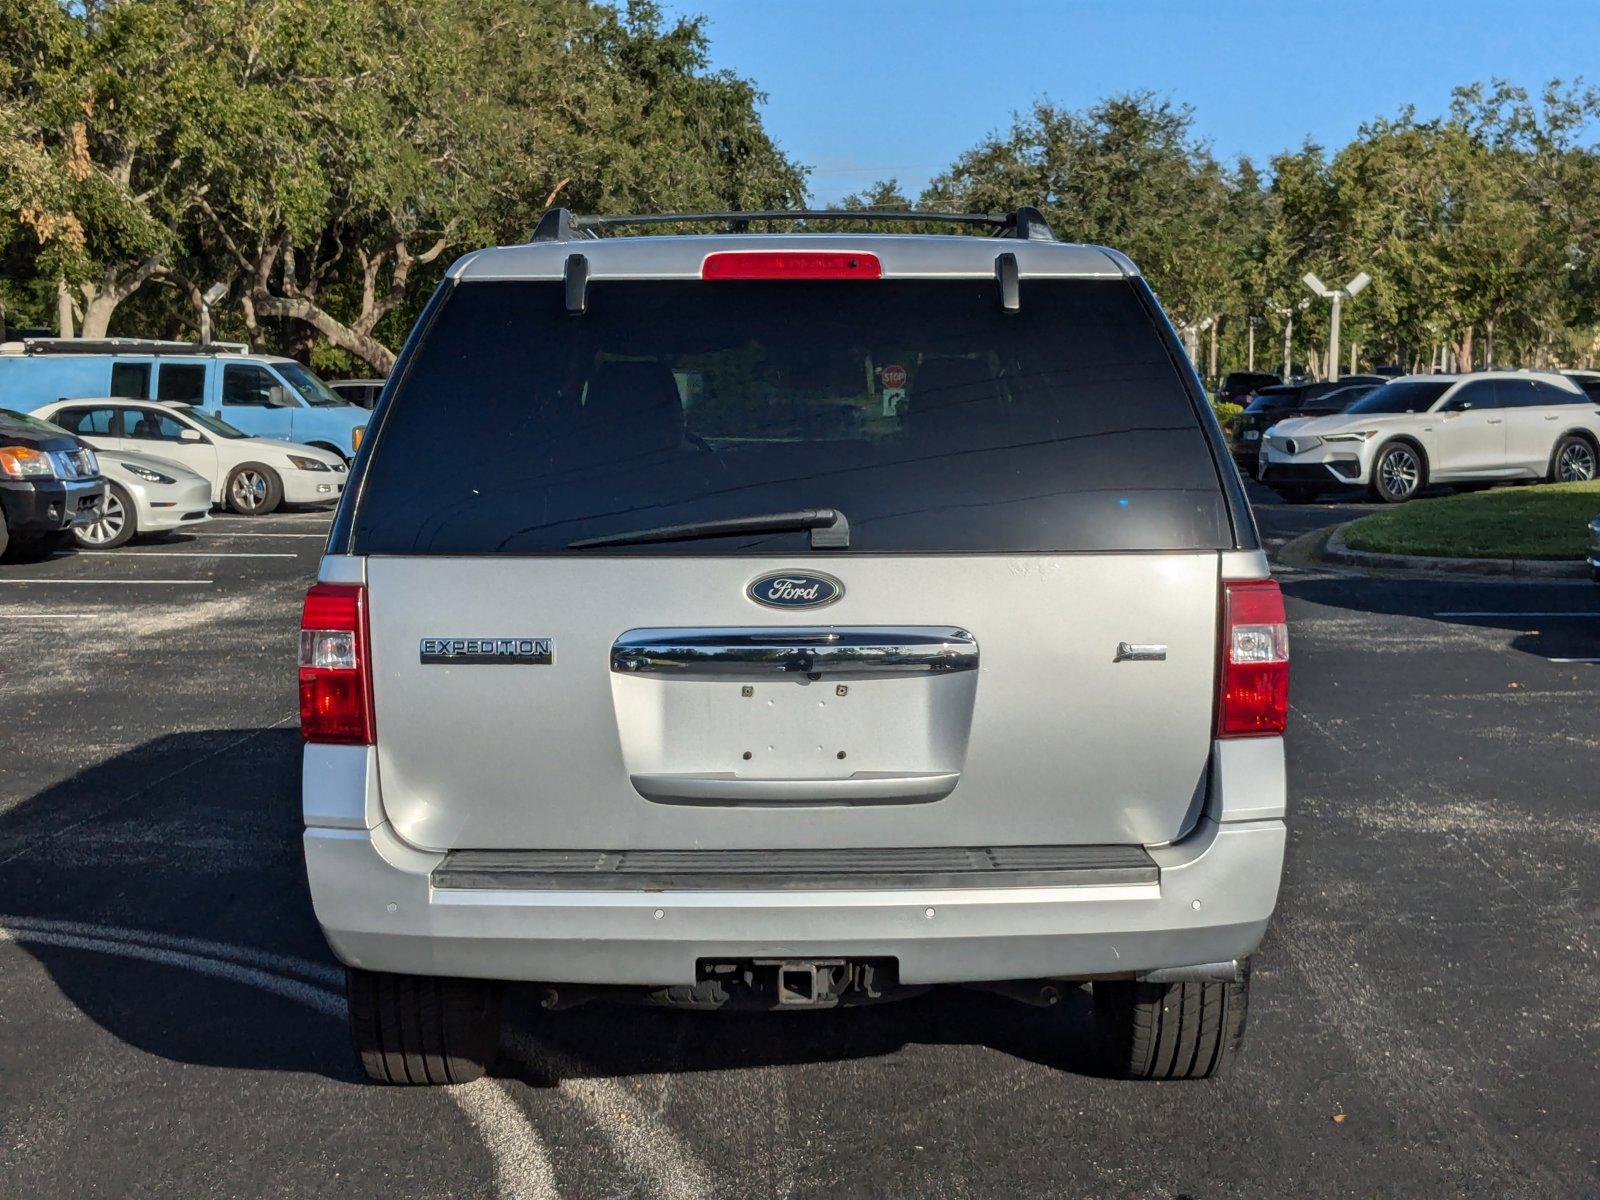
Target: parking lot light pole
[(1287, 311), (209, 297), (1338, 296)]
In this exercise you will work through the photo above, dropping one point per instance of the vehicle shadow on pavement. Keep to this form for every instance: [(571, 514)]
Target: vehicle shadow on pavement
[(163, 891), (1542, 636), (611, 1040)]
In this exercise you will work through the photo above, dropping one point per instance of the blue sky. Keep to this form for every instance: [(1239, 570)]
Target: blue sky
[(869, 89)]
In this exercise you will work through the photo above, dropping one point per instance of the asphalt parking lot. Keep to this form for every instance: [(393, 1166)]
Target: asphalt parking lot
[(1426, 1016)]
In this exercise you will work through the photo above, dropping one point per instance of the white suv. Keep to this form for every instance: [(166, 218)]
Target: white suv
[(1420, 429), (818, 618)]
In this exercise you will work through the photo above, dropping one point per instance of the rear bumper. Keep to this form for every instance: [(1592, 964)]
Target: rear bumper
[(378, 905)]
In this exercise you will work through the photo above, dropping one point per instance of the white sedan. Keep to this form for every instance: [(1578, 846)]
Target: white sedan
[(1464, 429), (144, 495), (252, 475)]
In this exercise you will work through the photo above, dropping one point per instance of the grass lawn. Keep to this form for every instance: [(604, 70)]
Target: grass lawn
[(1547, 521)]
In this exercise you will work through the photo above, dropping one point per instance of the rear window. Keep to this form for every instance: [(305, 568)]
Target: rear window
[(931, 418)]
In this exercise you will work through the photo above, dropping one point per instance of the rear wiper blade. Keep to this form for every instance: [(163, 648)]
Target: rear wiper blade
[(829, 530)]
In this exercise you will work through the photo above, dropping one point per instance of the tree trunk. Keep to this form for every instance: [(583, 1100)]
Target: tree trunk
[(364, 346), (64, 323), (1464, 350), (97, 309), (1488, 345), (1211, 353)]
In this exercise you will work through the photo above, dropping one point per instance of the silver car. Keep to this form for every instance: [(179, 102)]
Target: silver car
[(819, 618), (144, 495)]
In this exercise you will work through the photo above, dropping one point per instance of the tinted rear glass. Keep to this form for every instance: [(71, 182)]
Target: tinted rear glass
[(933, 419)]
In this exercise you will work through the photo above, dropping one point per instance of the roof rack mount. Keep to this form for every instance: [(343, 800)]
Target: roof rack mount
[(562, 225)]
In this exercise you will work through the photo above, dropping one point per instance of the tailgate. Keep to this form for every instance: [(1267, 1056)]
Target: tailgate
[(1033, 729)]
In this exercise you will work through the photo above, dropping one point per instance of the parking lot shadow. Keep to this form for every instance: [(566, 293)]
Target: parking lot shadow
[(163, 891), (612, 1040), (1522, 609)]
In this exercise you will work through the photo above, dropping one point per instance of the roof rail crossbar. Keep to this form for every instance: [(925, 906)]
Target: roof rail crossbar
[(561, 225)]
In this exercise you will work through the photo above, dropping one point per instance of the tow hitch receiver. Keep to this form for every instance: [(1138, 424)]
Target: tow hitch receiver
[(808, 981), (798, 982)]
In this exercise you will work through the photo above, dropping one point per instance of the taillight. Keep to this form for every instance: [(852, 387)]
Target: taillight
[(790, 264), (1254, 697), (335, 666)]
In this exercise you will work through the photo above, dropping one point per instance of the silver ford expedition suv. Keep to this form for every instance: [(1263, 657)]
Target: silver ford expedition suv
[(793, 620)]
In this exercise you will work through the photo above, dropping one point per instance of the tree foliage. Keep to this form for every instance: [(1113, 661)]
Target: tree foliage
[(326, 158), (1481, 229)]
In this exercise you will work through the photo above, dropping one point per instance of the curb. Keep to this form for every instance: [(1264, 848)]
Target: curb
[(1335, 551)]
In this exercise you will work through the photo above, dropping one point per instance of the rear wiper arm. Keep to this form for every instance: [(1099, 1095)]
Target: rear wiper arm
[(829, 530)]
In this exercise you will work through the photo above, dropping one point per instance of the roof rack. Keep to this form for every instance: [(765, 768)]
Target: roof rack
[(154, 346), (562, 225)]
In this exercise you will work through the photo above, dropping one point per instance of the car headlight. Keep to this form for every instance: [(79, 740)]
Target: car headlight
[(24, 462), (146, 473), (1359, 436), (92, 460), (355, 436), (308, 464)]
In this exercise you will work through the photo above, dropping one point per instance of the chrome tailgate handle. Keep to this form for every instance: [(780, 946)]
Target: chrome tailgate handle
[(765, 653)]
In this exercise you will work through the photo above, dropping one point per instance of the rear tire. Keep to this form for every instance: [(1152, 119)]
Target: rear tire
[(1573, 460), (1398, 473), (253, 490), (1172, 1030), (422, 1029)]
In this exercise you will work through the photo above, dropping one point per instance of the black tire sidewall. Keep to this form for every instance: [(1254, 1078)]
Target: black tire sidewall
[(1381, 492), (1555, 457), (274, 489)]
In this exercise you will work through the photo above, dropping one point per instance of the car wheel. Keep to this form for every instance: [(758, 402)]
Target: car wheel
[(422, 1029), (253, 490), (1171, 1030), (117, 524), (1397, 473), (1573, 460)]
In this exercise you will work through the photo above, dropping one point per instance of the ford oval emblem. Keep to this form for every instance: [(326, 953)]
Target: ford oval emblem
[(794, 589)]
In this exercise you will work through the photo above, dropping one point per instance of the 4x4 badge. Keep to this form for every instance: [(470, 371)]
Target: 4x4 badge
[(794, 589)]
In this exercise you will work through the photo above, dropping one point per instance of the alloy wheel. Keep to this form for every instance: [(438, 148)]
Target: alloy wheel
[(1576, 464), (1400, 472), (113, 518), (248, 490)]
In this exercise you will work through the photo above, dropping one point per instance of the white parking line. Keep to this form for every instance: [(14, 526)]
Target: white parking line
[(1590, 614), (15, 616), (191, 554), (52, 582), (244, 533)]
